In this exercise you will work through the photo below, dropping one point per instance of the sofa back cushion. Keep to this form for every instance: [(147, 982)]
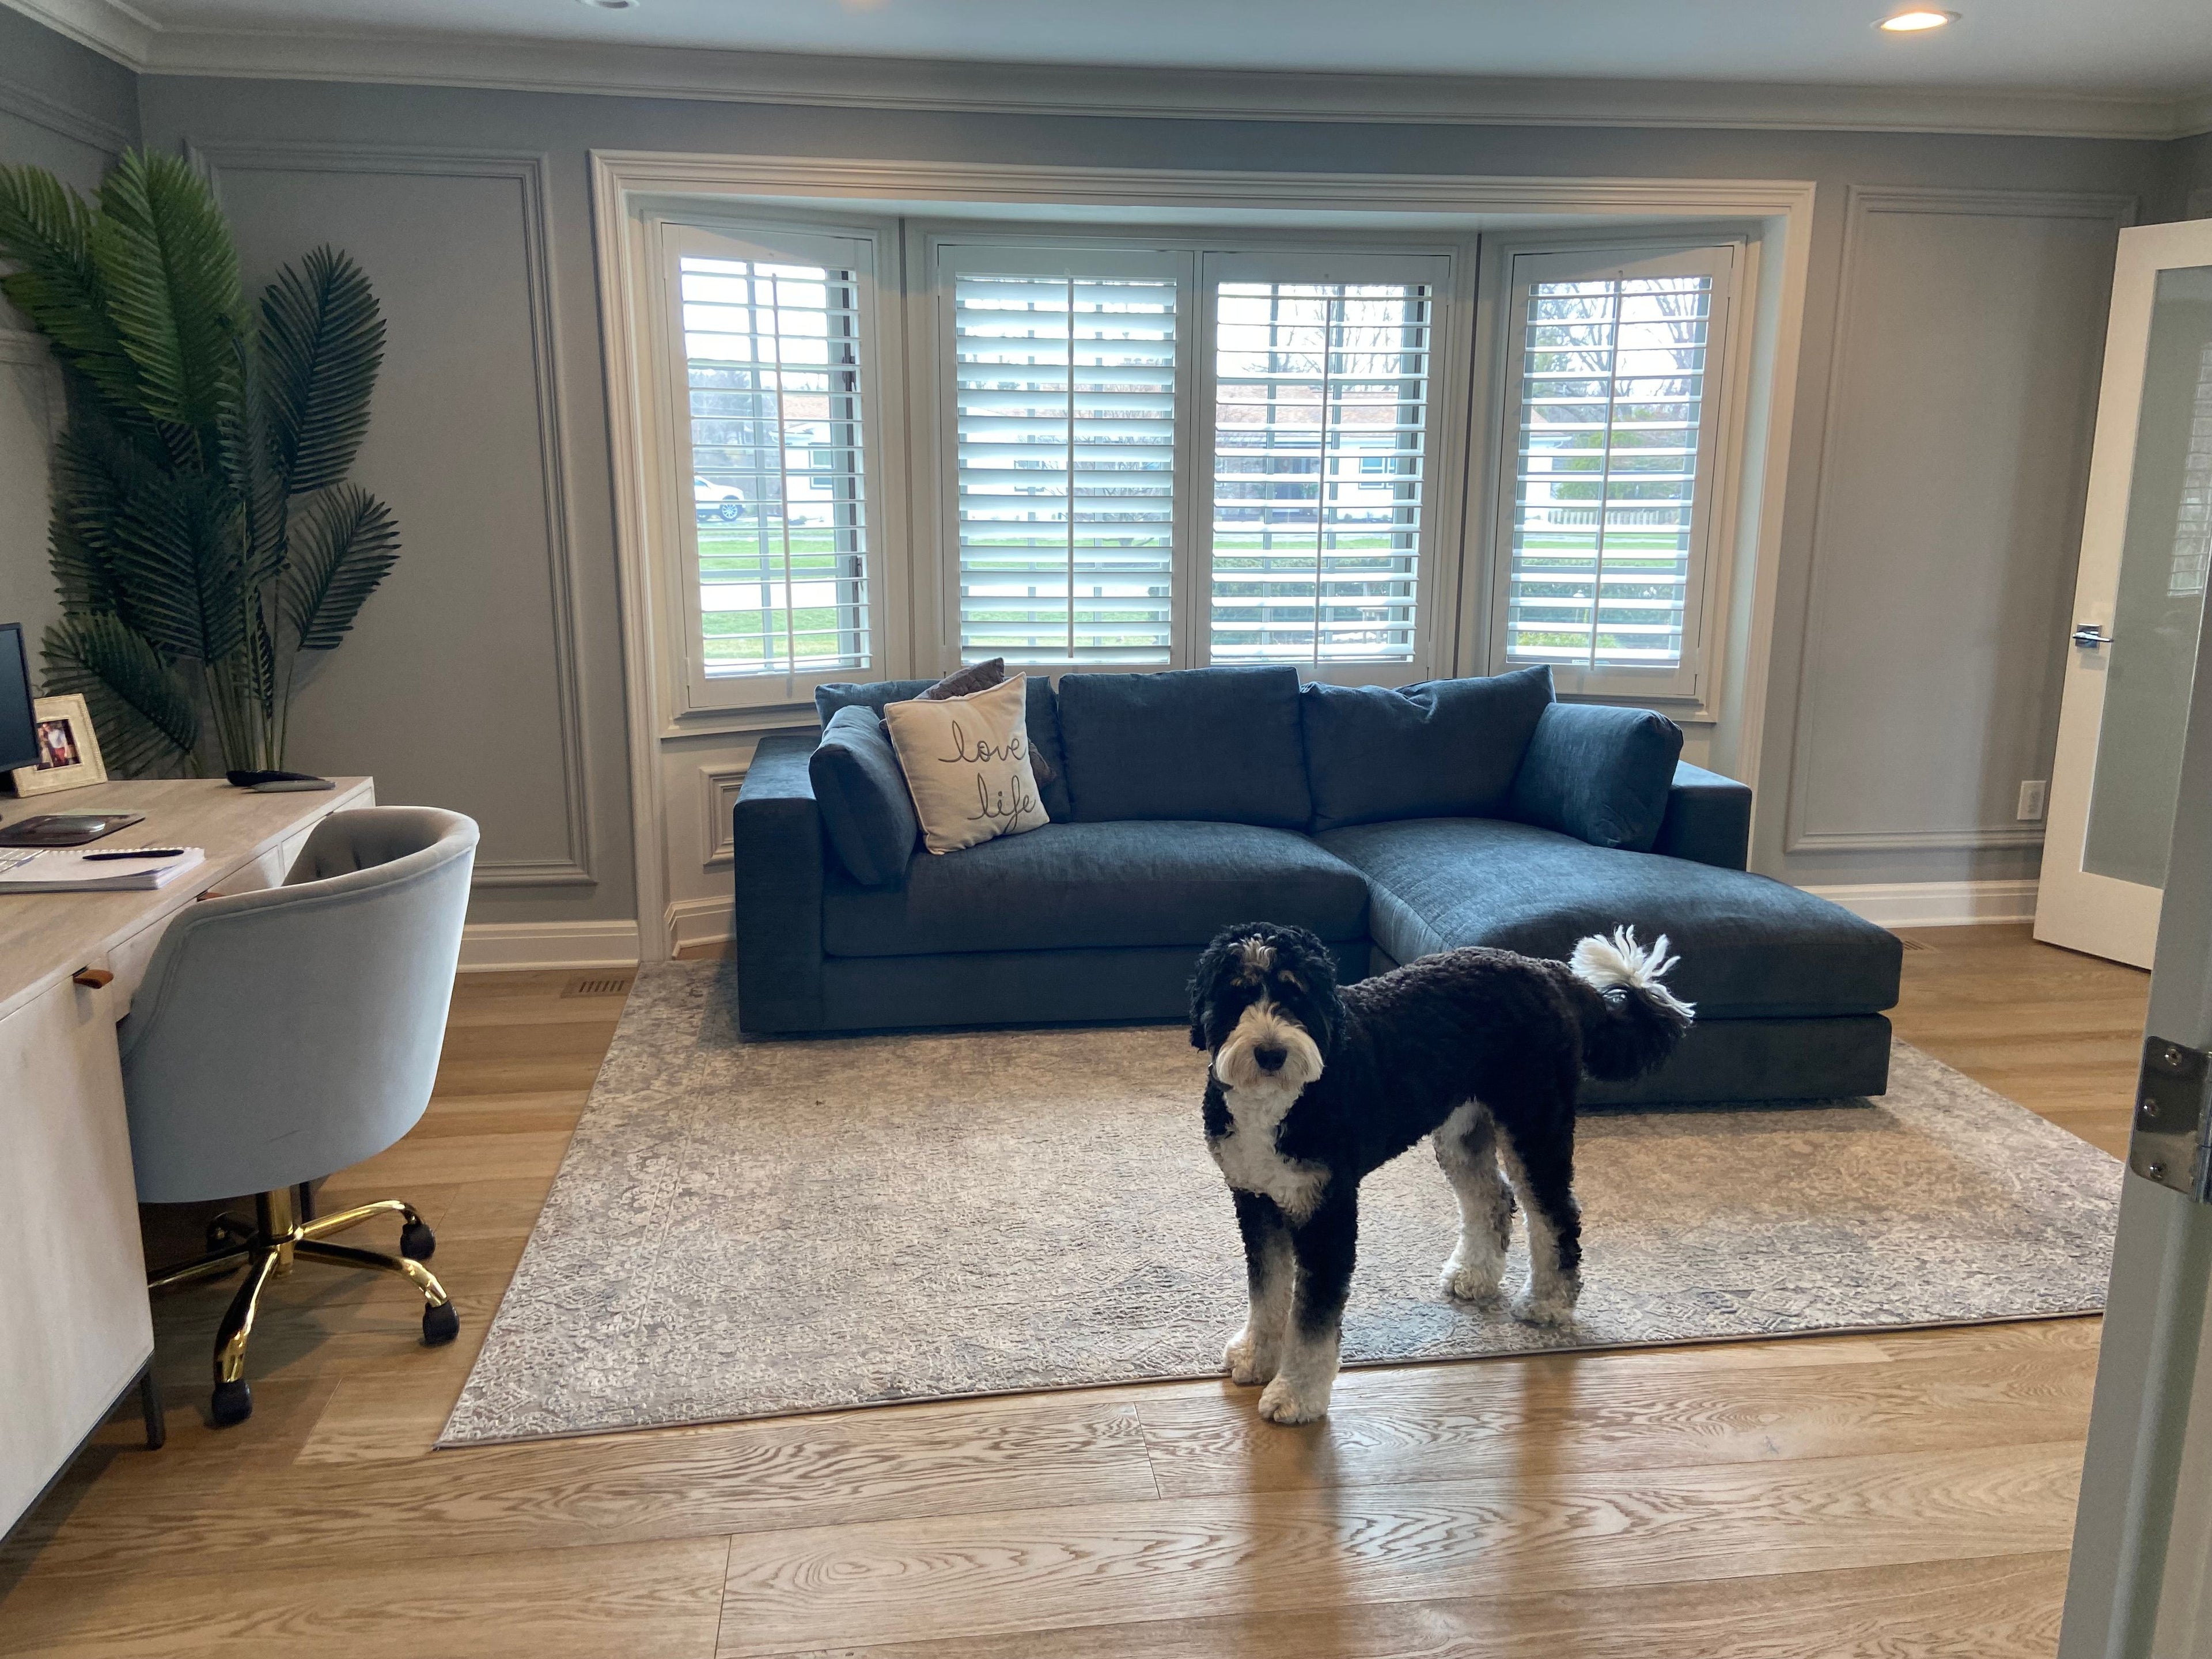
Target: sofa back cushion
[(1043, 715), (1599, 773), (861, 794), (1446, 748), (1222, 744)]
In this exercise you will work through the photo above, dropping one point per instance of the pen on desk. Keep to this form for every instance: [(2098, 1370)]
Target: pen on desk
[(133, 853)]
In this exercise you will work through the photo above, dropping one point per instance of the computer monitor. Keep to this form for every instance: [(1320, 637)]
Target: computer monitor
[(19, 736)]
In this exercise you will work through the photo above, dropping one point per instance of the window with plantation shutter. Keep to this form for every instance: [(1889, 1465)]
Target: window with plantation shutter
[(1321, 447), (1062, 375), (769, 340), (1611, 433)]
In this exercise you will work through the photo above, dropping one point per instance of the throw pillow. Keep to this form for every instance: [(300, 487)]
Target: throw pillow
[(1218, 744), (1445, 749), (1044, 718), (862, 797), (1600, 774), (968, 679), (967, 761)]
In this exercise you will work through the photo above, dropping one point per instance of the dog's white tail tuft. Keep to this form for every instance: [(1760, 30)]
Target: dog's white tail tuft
[(1619, 962)]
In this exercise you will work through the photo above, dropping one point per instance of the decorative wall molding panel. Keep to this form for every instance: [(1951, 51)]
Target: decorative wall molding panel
[(30, 105), (1939, 560), (527, 172)]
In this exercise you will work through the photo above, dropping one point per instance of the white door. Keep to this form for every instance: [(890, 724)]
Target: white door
[(2146, 541), (2141, 1582)]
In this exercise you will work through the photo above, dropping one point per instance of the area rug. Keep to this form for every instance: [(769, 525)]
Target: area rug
[(750, 1229)]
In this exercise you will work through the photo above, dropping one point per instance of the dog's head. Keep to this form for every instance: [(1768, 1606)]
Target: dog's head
[(1263, 1003)]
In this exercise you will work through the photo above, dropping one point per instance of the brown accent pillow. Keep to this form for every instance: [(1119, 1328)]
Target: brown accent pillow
[(965, 681)]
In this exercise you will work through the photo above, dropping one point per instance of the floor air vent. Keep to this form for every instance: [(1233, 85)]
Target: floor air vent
[(1915, 945), (598, 985)]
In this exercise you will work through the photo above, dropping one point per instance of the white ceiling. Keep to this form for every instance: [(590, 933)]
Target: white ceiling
[(2143, 47)]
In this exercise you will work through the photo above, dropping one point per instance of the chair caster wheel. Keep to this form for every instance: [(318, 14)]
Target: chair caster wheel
[(221, 1236), (441, 1325), (417, 1241), (232, 1405)]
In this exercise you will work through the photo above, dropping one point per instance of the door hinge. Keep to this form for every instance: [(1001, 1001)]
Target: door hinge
[(2171, 1140)]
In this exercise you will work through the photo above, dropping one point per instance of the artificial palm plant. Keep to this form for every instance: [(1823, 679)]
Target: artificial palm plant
[(203, 535)]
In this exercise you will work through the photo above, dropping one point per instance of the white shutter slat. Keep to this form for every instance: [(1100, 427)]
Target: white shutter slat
[(772, 362), (1063, 465), (1605, 479), (1321, 418)]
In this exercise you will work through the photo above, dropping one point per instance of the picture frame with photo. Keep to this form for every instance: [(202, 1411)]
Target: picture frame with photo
[(69, 748)]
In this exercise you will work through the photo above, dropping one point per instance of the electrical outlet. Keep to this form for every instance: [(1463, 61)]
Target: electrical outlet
[(2032, 791)]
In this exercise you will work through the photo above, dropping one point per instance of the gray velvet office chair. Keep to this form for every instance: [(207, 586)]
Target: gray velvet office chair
[(284, 1035)]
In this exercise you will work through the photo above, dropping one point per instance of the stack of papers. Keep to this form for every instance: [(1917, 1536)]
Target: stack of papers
[(73, 870)]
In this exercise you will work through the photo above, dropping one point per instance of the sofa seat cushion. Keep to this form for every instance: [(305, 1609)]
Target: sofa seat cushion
[(1074, 885), (1750, 947)]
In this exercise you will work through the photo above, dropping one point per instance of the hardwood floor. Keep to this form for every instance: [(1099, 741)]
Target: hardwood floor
[(1903, 1495)]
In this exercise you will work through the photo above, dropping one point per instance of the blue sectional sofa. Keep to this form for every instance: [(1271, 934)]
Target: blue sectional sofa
[(1392, 823)]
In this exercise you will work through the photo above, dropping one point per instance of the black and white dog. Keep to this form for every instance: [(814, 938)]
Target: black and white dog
[(1310, 1087)]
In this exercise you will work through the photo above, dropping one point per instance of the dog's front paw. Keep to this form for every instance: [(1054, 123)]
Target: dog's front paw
[(1467, 1278), (1286, 1401), (1247, 1359), (1549, 1305)]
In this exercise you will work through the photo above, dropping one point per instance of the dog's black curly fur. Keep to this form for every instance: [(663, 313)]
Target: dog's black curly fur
[(1482, 1048)]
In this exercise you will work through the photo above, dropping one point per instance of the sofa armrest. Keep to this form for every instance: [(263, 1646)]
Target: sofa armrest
[(1708, 819), (775, 837)]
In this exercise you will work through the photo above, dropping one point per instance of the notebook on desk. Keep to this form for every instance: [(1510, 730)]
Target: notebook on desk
[(69, 870)]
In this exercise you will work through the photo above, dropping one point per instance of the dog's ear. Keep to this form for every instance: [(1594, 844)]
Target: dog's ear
[(1203, 979), (1315, 963)]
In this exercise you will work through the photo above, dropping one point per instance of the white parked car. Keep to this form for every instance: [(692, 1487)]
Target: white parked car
[(713, 502)]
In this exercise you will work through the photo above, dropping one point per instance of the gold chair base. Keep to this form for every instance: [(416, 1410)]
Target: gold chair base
[(267, 1250)]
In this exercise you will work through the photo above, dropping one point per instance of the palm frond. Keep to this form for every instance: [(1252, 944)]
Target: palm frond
[(141, 707), (322, 342), (345, 545), (254, 479), (177, 554), (169, 271), (46, 228)]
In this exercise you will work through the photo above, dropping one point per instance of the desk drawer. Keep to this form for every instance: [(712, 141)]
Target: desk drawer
[(267, 870), (128, 962)]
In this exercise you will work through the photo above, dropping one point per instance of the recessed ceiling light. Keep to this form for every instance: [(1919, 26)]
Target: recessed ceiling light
[(1913, 21)]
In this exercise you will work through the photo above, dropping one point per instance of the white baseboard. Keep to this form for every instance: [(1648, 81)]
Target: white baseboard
[(700, 921), (1933, 904), (493, 946)]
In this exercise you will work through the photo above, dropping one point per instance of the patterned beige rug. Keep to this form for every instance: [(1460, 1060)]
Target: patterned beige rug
[(745, 1229)]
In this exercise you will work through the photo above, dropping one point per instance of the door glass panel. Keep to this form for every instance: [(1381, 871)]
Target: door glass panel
[(2168, 545)]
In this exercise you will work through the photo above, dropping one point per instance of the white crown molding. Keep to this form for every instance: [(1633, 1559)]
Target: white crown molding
[(445, 60), (108, 27)]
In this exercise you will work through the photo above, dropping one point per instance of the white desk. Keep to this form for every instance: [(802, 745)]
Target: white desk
[(75, 1328)]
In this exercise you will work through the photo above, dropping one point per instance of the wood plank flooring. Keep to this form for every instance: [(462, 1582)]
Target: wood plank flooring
[(1905, 1495)]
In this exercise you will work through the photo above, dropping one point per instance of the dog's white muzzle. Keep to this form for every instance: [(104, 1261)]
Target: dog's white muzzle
[(1268, 1050)]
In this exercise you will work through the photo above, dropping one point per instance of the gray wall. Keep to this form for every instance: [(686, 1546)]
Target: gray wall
[(2188, 177), (1935, 815), (487, 674), (70, 111)]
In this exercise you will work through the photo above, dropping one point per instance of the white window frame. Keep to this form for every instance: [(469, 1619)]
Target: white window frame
[(1688, 688), (860, 248), (1443, 443), (952, 250), (1295, 255)]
